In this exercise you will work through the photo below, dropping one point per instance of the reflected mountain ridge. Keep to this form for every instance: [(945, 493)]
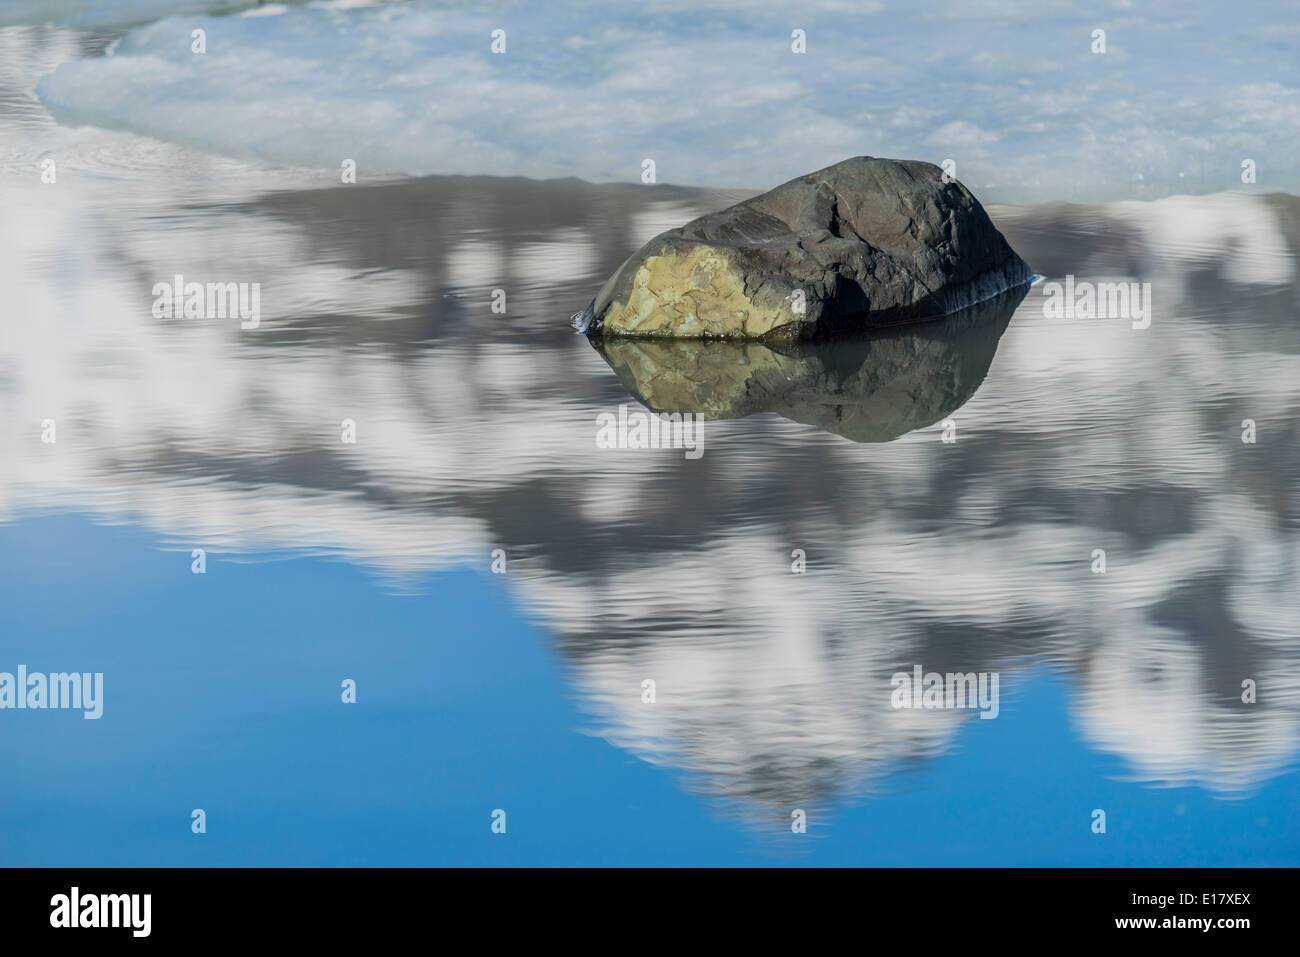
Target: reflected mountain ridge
[(477, 431)]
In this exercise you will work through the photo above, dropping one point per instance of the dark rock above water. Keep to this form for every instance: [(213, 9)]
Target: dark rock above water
[(864, 243)]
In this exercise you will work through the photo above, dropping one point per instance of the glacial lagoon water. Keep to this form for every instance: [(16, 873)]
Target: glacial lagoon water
[(933, 496)]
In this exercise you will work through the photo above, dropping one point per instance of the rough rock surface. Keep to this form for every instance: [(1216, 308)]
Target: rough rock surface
[(863, 243), (871, 387)]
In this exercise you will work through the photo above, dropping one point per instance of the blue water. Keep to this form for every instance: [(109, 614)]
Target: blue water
[(222, 692)]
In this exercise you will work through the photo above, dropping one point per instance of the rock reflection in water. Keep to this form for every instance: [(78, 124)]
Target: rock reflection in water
[(868, 388)]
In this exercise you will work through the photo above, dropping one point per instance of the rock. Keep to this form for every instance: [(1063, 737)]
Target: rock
[(860, 244), (869, 387)]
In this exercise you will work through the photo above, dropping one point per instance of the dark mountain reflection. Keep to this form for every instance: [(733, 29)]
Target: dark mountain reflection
[(477, 431), (868, 388)]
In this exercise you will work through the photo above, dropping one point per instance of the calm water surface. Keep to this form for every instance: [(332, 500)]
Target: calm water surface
[(476, 433)]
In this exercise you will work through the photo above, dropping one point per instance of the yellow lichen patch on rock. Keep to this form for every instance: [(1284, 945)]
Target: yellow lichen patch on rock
[(693, 292)]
